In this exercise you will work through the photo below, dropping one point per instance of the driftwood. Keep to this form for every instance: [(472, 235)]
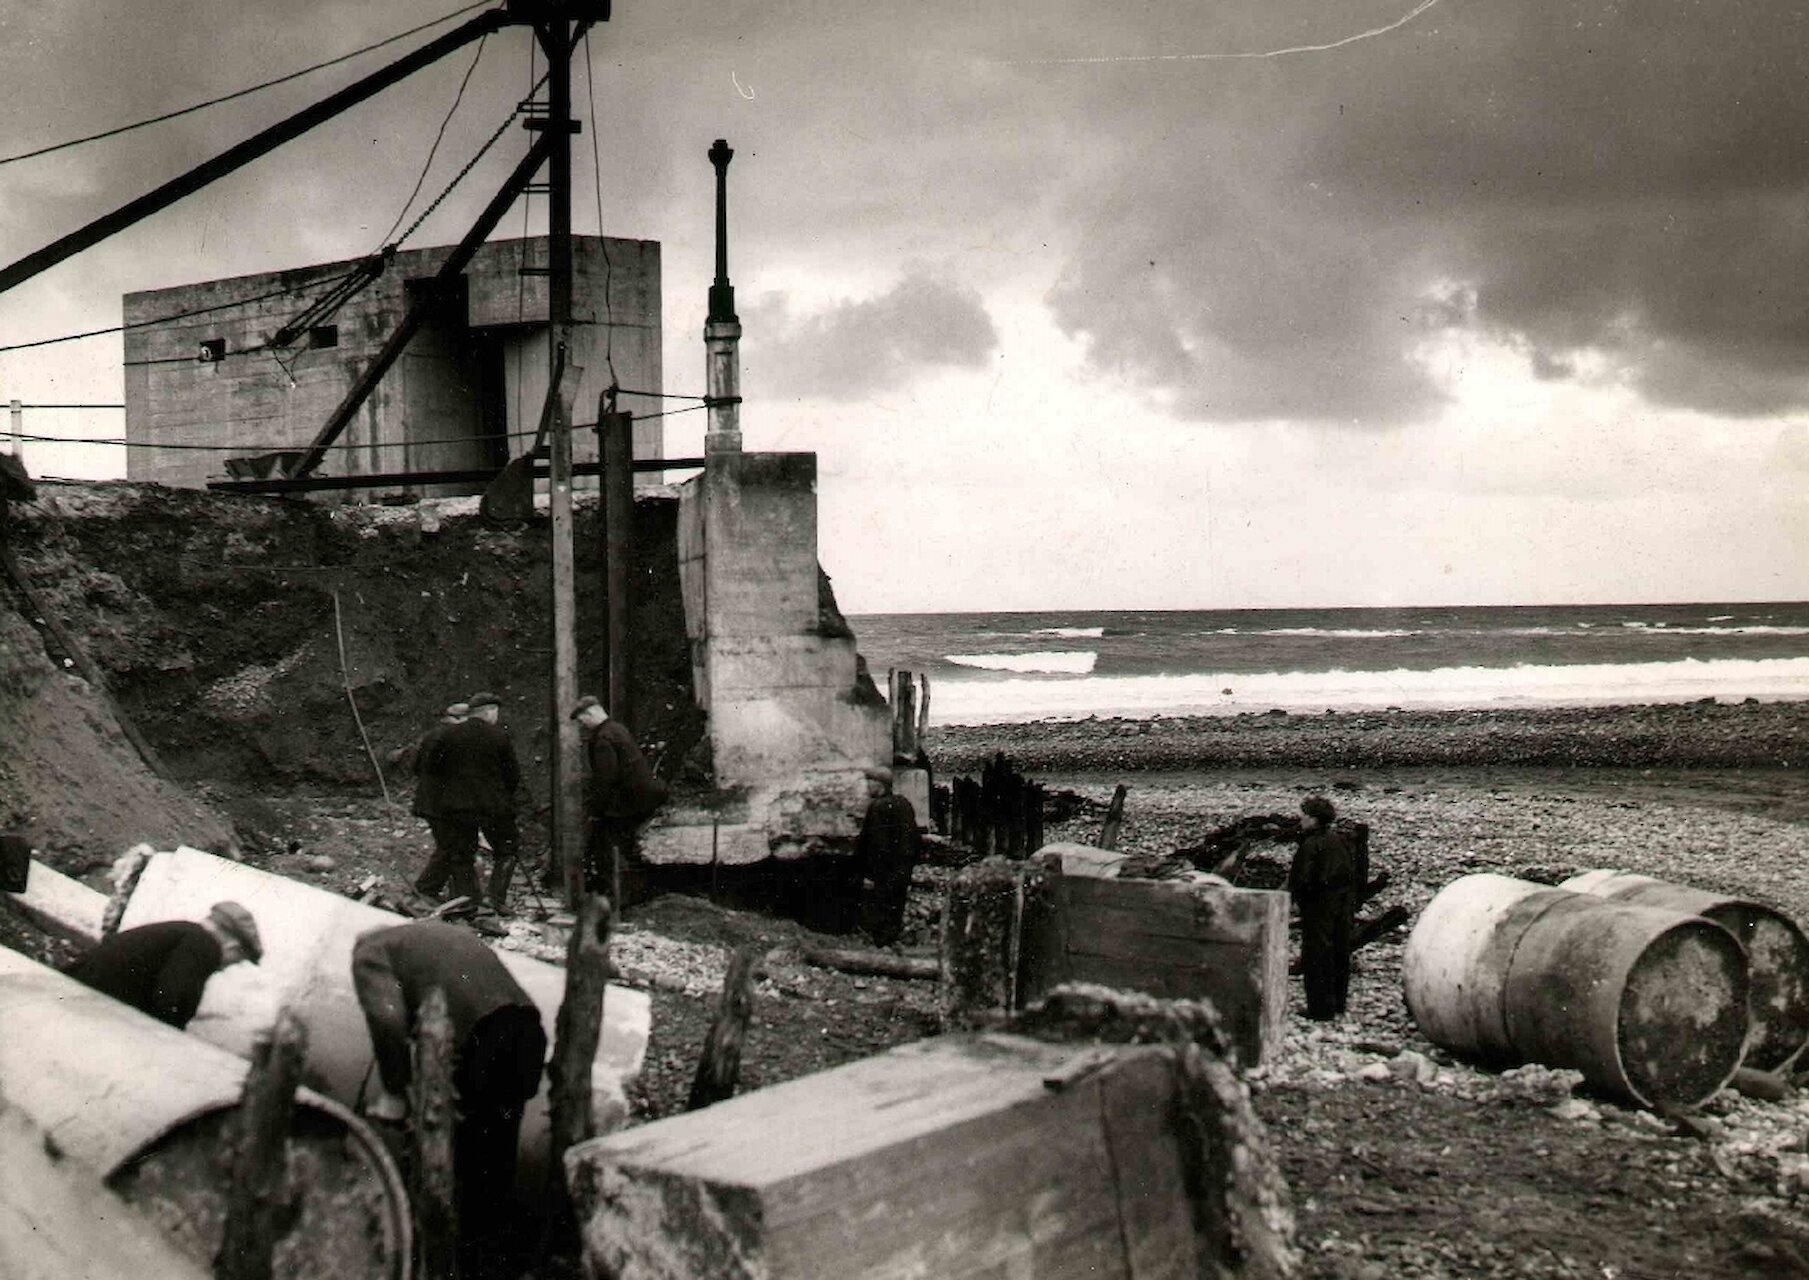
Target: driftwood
[(1765, 1086), (433, 1110), (879, 964), (719, 1068), (261, 1205), (1114, 819), (1368, 931)]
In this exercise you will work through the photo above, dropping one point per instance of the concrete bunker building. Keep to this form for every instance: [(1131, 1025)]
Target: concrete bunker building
[(240, 365)]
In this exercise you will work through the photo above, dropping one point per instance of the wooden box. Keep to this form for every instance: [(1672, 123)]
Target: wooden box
[(979, 1155)]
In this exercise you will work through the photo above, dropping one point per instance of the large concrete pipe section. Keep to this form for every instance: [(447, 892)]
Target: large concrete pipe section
[(308, 935), (1648, 1004), (147, 1108), (1777, 955)]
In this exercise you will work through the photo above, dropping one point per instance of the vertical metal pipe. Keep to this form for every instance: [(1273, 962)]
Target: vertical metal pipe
[(18, 431), (722, 328)]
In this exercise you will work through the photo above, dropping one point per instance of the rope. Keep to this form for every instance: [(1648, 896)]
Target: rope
[(268, 84), (434, 150)]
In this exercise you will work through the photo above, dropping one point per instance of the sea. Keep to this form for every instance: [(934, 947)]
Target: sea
[(990, 668)]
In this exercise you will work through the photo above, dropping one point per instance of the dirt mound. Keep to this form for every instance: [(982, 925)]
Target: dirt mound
[(68, 778), (219, 621)]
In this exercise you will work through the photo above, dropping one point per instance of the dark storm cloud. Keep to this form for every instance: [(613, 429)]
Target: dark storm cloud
[(1624, 179), (853, 349)]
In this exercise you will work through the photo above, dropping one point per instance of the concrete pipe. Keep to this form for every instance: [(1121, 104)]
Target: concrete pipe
[(1648, 1004), (1777, 955), (147, 1108), (308, 935)]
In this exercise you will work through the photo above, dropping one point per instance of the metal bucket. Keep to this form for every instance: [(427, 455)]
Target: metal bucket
[(1648, 1004), (308, 934), (1777, 955), (146, 1107)]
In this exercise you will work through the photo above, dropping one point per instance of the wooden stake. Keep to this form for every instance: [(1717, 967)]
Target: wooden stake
[(580, 1026), (1114, 819), (260, 1204), (433, 1108), (719, 1069)]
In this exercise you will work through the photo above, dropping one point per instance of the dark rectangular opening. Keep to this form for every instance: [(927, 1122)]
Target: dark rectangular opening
[(212, 349), (322, 336)]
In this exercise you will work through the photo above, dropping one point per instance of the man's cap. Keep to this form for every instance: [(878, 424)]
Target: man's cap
[(477, 700), (236, 923), (458, 709), (879, 773), (1318, 807), (584, 704)]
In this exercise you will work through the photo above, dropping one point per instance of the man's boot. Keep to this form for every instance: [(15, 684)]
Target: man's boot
[(500, 875)]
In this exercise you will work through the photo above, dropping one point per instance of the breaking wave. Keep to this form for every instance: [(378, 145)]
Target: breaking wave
[(1067, 662), (1071, 633), (1443, 688)]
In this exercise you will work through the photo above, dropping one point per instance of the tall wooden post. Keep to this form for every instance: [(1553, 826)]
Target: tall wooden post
[(615, 446), (433, 1105), (568, 769)]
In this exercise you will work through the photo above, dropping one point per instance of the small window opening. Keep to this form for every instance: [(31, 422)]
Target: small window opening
[(322, 336), (211, 350)]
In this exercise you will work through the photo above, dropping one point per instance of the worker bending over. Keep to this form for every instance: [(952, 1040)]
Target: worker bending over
[(162, 969)]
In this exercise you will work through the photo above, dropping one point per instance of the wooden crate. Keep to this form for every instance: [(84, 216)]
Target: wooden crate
[(978, 1155), (1166, 938)]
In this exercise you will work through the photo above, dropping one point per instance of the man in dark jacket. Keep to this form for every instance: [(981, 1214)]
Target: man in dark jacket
[(499, 1045), (886, 852), (474, 774), (1322, 882), (622, 793), (432, 880), (161, 969)]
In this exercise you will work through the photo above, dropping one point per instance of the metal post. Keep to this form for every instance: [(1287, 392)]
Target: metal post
[(18, 442), (568, 776), (722, 328), (615, 447)]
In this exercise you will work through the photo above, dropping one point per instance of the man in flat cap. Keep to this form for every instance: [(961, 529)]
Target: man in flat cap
[(1322, 880), (161, 969), (499, 1046), (476, 775), (886, 851), (622, 793)]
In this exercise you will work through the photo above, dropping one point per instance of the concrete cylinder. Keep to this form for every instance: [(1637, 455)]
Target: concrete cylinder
[(1777, 955), (147, 1108), (308, 934), (1649, 1004)]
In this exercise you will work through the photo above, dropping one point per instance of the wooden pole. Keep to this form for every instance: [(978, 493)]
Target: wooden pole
[(980, 927), (719, 1068), (433, 1108), (568, 769), (879, 964), (580, 1026), (260, 1206), (1114, 819), (615, 448)]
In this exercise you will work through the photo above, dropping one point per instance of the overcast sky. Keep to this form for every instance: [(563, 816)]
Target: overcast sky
[(1148, 305)]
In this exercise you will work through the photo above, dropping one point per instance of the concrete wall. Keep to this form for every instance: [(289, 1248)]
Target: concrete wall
[(491, 357), (788, 732)]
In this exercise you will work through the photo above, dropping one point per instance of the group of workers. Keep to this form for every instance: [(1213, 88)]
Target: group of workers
[(499, 1042), (467, 780)]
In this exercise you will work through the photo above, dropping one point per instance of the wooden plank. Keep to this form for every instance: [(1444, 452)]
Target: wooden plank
[(1171, 939), (976, 1155)]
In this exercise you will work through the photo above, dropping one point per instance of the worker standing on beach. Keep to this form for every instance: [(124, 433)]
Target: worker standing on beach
[(886, 851), (1322, 882)]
